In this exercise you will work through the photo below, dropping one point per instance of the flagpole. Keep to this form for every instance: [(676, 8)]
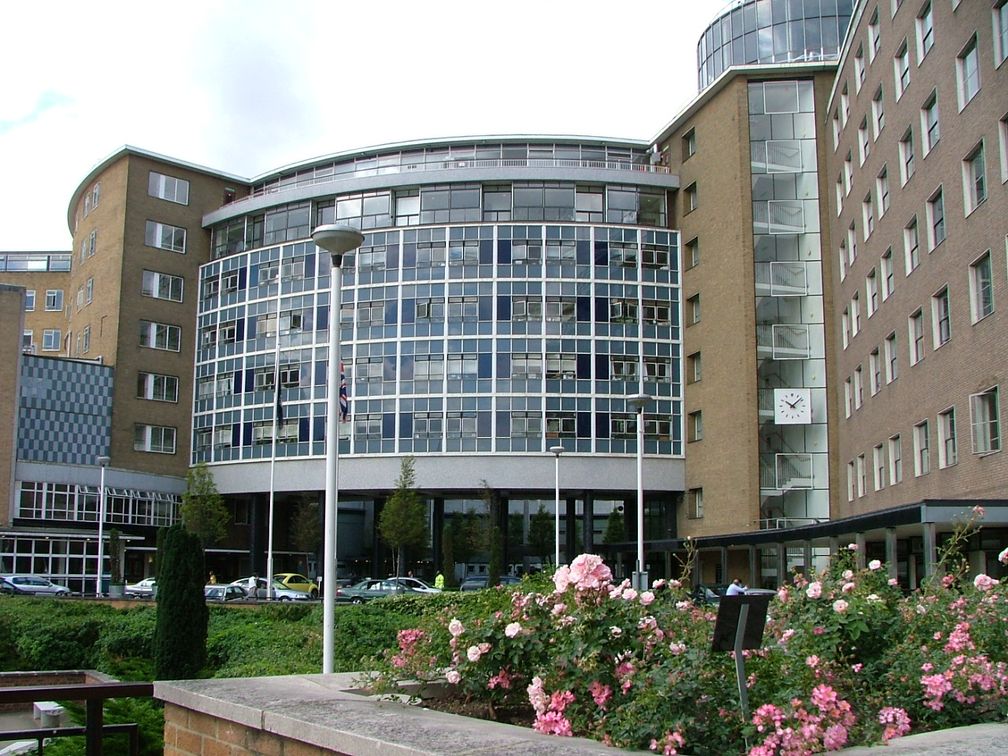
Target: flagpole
[(276, 429)]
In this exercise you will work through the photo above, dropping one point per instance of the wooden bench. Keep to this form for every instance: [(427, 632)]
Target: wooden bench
[(49, 712)]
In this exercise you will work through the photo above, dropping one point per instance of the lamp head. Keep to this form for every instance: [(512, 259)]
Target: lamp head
[(337, 239), (104, 461), (637, 401), (557, 450)]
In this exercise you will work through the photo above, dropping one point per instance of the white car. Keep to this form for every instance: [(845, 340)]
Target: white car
[(414, 584), (142, 589), (34, 585), (280, 591)]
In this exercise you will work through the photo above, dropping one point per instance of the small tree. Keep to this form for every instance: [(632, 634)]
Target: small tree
[(495, 538), (615, 531), (541, 534), (115, 557), (180, 633), (448, 554), (403, 520), (306, 532), (204, 513)]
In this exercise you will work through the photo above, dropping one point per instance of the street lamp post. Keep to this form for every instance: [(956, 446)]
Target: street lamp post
[(102, 463), (640, 577), (557, 451), (337, 240)]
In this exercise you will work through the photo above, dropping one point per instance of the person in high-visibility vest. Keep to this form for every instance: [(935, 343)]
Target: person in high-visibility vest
[(439, 581)]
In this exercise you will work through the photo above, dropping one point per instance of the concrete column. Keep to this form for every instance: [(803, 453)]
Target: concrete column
[(588, 522), (437, 532), (859, 560), (890, 552), (930, 549), (570, 541), (977, 563), (782, 576), (723, 555), (807, 556), (754, 576), (834, 546)]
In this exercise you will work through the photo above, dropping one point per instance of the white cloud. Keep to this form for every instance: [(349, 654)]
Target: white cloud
[(248, 86)]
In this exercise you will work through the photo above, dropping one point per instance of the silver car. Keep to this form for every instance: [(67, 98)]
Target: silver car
[(280, 591), (34, 585)]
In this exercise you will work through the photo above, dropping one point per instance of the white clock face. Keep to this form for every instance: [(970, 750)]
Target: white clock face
[(792, 406)]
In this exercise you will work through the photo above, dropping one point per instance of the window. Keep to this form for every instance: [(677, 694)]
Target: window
[(930, 130), (160, 336), (692, 253), (864, 141), (839, 195), (911, 246), (693, 308), (882, 190), (51, 339), (154, 438), (936, 219), (906, 152), (916, 330), (1000, 21), (168, 188), (850, 480), (844, 105), (695, 511), (901, 69), (159, 388), (861, 480), (891, 354), (843, 260), (855, 305), (1003, 142), (878, 467), (557, 366), (845, 327), (925, 31), (874, 37), (54, 300), (161, 286), (859, 69), (941, 317), (163, 236), (86, 339), (974, 176), (694, 367), (30, 300), (836, 129), (848, 173), (878, 113), (985, 420), (922, 449), (858, 388), (689, 144), (560, 425), (89, 290), (868, 215), (895, 460), (947, 454), (851, 244), (886, 268), (968, 72), (848, 405), (27, 341), (871, 293), (690, 198), (981, 288), (695, 427), (875, 371)]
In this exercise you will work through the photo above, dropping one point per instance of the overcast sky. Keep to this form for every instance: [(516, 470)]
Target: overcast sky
[(248, 86)]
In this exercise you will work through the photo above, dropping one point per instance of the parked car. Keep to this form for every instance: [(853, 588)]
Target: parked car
[(34, 585), (298, 582), (280, 591), (709, 595), (224, 593), (369, 589), (142, 588), (416, 584), (478, 582)]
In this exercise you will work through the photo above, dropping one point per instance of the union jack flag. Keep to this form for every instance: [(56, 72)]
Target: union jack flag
[(344, 403)]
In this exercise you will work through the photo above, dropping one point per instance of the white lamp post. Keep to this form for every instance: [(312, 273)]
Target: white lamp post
[(640, 578), (557, 451), (102, 463), (337, 240)]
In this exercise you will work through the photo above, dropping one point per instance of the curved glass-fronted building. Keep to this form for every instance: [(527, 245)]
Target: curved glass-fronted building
[(772, 31), (509, 297)]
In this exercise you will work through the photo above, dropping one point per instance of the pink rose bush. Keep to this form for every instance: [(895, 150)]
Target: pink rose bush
[(846, 659)]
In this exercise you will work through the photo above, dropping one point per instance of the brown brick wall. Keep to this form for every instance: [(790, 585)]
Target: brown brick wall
[(190, 733), (973, 359), (12, 316)]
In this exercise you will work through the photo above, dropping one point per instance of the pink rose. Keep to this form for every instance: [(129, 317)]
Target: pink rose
[(1003, 556), (874, 564), (852, 547), (839, 606), (512, 630), (814, 590), (453, 676), (646, 598), (455, 627), (984, 582)]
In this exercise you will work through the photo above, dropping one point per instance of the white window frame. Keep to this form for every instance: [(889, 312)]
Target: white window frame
[(948, 453), (911, 246), (907, 157), (981, 276), (161, 336), (54, 300), (878, 112), (974, 178), (860, 474), (891, 354), (858, 388), (901, 69), (937, 219), (930, 119), (878, 466), (882, 191), (922, 448), (925, 31), (29, 300), (941, 318), (915, 335), (168, 188), (848, 398), (999, 24), (157, 387), (895, 460), (968, 72), (155, 439), (165, 236), (874, 371), (871, 292), (159, 285), (887, 274), (985, 421), (52, 340)]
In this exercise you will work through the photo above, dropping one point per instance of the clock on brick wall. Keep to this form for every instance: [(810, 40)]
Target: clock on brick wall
[(792, 406)]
